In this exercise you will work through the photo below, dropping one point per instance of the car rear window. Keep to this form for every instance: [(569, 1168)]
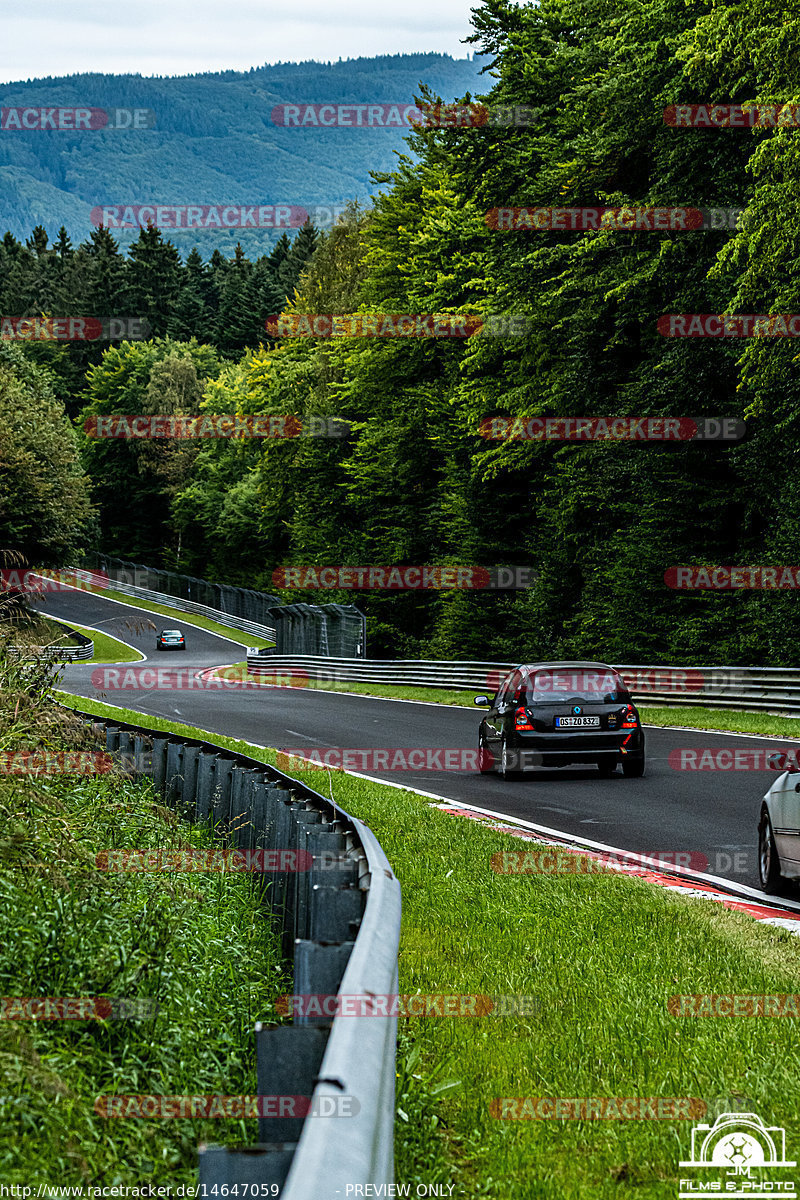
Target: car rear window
[(592, 687)]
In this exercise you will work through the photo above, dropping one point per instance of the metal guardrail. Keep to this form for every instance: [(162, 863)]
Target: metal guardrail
[(770, 689), (341, 926), (421, 672), (83, 649)]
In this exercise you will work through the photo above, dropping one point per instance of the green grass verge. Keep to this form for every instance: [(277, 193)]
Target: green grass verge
[(180, 618), (733, 720), (201, 946), (601, 954), (47, 631), (107, 649), (196, 944)]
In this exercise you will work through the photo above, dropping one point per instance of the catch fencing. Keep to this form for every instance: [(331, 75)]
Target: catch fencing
[(340, 923), (240, 608), (327, 630), (761, 689)]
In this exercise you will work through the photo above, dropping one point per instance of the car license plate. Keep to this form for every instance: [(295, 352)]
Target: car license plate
[(577, 722)]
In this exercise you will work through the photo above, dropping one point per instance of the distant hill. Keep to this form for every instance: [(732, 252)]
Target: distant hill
[(213, 142)]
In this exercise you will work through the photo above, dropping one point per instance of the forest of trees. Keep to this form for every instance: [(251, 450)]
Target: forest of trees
[(415, 482)]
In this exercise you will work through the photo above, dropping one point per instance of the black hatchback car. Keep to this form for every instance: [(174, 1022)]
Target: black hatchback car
[(554, 714)]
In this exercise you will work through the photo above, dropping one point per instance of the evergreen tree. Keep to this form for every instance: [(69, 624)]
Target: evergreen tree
[(192, 315), (156, 276)]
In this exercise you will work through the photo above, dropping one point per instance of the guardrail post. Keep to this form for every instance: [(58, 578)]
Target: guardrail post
[(334, 913), (312, 839), (160, 745), (206, 768), (318, 970), (125, 750), (239, 821), (173, 778), (221, 799), (288, 1061), (142, 760), (191, 756), (294, 883), (265, 1164)]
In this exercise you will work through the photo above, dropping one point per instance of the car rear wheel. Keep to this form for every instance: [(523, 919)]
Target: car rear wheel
[(633, 766), (769, 864), (508, 759), (485, 760)]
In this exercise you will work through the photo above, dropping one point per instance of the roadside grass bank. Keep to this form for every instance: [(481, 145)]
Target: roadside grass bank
[(42, 630), (732, 721), (197, 948), (179, 618), (600, 955), (107, 649)]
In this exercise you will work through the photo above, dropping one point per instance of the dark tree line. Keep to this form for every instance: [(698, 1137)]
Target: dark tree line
[(223, 301)]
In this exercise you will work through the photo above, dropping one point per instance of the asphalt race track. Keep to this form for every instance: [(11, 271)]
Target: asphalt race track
[(710, 812)]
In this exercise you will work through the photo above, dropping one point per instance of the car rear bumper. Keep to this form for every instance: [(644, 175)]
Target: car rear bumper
[(552, 749)]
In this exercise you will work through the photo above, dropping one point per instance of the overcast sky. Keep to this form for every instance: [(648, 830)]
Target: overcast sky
[(176, 37)]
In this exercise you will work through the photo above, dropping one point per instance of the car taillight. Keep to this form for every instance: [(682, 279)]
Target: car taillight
[(521, 719), (630, 721)]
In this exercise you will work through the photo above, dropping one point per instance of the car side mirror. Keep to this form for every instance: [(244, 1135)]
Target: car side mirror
[(482, 702)]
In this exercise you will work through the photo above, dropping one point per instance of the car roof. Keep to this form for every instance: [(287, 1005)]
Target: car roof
[(164, 632)]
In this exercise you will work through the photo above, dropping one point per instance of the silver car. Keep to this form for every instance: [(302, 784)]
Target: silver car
[(779, 832)]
